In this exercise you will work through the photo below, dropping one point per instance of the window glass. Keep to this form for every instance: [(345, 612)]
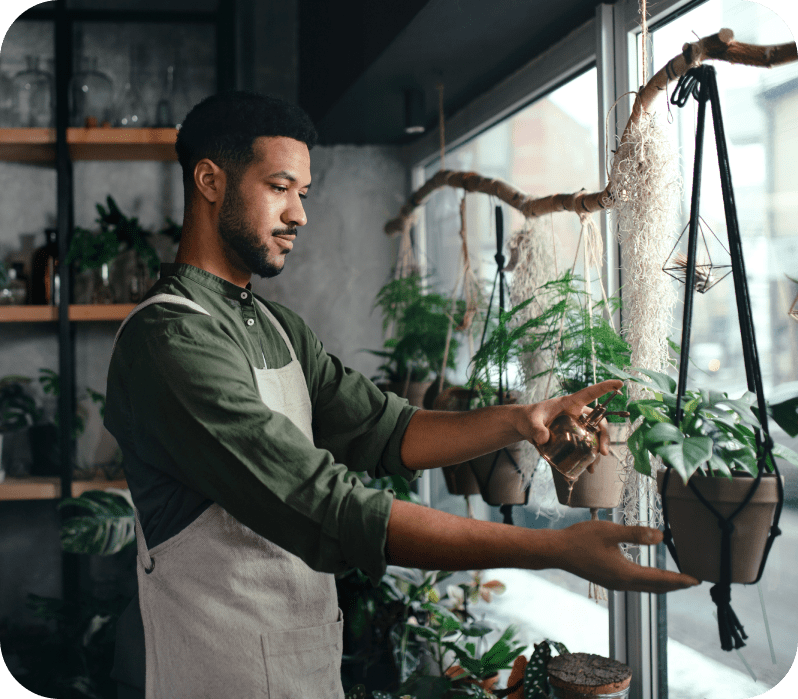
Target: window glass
[(549, 147), (759, 110)]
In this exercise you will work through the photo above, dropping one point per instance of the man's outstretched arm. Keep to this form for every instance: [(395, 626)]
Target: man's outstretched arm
[(421, 537)]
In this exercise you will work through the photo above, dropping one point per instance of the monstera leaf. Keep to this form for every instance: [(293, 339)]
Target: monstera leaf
[(107, 528)]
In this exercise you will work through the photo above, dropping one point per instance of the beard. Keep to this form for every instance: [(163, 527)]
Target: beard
[(242, 238)]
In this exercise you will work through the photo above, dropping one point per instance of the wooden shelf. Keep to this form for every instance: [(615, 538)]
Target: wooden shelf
[(77, 312), (38, 145), (49, 487), (122, 144), (30, 488)]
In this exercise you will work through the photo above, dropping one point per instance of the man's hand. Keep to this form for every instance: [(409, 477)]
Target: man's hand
[(538, 416), (421, 537), (591, 551)]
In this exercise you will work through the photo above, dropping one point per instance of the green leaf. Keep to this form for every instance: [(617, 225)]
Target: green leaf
[(477, 629), (785, 453), (672, 454), (109, 528), (663, 432), (742, 407), (786, 415), (718, 465), (635, 444), (697, 451), (662, 381)]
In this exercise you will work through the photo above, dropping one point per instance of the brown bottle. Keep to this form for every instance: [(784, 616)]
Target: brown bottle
[(573, 442), (44, 277)]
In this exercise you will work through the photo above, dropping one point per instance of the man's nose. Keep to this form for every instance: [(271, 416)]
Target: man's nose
[(295, 215)]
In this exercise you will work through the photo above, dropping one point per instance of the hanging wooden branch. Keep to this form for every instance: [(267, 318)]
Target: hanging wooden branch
[(720, 46)]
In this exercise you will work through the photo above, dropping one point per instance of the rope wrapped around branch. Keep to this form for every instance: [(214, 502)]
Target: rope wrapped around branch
[(720, 46)]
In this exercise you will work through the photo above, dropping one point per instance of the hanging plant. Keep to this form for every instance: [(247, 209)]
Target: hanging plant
[(420, 322)]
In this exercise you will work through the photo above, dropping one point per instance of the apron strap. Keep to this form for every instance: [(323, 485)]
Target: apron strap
[(147, 561), (158, 298), (279, 328)]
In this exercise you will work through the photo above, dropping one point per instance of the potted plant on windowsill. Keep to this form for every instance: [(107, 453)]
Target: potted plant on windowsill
[(420, 324), (715, 449)]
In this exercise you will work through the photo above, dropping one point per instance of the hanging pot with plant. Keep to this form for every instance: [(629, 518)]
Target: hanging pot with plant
[(418, 321)]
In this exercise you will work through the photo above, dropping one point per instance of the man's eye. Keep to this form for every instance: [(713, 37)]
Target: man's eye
[(303, 196), (279, 188)]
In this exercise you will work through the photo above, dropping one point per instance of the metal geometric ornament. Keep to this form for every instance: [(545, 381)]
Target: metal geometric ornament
[(707, 273)]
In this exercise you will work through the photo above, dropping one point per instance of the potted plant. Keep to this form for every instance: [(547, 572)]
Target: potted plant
[(18, 409), (119, 238), (420, 324), (714, 448), (587, 343)]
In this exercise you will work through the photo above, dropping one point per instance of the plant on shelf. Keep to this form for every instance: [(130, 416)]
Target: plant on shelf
[(18, 408), (119, 237), (118, 233), (420, 325)]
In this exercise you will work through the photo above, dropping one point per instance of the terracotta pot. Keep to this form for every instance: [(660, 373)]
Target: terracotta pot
[(415, 391), (602, 488), (460, 479), (501, 484), (695, 529)]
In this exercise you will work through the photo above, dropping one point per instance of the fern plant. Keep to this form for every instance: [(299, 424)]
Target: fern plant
[(420, 324), (569, 327)]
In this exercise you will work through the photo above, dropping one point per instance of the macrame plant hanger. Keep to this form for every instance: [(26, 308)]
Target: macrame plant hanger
[(506, 510), (701, 83)]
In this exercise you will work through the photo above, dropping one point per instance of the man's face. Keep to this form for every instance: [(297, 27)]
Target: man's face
[(261, 212)]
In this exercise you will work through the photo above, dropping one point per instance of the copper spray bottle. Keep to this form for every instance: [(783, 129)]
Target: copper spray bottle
[(574, 442)]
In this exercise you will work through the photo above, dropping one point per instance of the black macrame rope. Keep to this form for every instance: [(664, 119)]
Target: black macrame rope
[(506, 510), (701, 84)]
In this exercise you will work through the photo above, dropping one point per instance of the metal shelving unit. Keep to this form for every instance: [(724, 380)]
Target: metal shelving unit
[(60, 146)]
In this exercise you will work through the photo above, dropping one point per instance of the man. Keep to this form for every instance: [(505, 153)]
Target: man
[(239, 434)]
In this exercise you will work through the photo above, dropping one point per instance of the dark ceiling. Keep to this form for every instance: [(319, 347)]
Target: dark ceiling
[(357, 58)]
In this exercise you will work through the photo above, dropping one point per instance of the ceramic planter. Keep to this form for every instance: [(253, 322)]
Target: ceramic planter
[(602, 488), (502, 486), (695, 529), (460, 479)]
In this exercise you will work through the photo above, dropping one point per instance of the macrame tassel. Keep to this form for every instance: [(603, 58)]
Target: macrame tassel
[(596, 592), (729, 626), (731, 630)]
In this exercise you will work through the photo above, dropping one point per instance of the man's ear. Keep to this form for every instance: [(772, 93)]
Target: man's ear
[(209, 180)]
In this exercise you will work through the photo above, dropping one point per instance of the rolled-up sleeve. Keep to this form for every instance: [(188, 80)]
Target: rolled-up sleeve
[(359, 424), (206, 426)]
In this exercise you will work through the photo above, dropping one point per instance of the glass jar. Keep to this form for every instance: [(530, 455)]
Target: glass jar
[(8, 114), (33, 93), (91, 95), (103, 293), (15, 290), (129, 111)]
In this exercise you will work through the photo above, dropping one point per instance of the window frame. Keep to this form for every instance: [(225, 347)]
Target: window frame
[(637, 621)]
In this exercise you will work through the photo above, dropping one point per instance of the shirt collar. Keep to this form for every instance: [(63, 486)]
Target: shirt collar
[(208, 280)]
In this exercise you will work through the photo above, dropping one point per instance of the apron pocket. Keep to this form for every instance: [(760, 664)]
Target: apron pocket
[(304, 662)]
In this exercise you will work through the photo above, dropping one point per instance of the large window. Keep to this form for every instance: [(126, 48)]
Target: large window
[(760, 113), (552, 146)]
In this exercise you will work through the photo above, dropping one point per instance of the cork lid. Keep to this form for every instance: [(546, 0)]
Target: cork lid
[(586, 673)]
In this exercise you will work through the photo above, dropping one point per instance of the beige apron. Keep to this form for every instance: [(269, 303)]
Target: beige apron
[(226, 612)]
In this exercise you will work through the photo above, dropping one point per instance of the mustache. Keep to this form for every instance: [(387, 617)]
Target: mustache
[(284, 231)]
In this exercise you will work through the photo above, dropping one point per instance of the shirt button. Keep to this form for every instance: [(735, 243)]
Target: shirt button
[(250, 322), (244, 295)]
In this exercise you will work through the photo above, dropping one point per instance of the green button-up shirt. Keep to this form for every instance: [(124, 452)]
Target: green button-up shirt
[(184, 406)]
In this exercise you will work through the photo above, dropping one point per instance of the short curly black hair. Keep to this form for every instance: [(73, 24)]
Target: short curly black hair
[(223, 128)]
